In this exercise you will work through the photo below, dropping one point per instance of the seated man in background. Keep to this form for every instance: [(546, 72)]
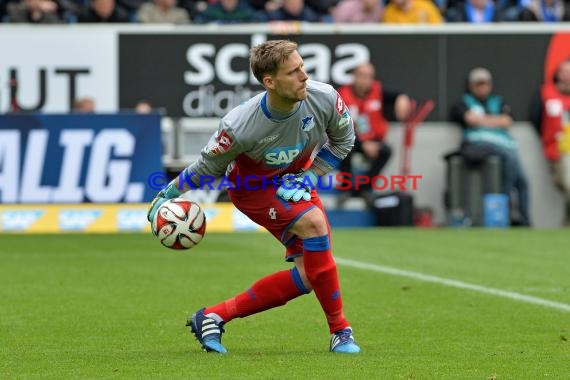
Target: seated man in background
[(357, 11), (293, 10), (366, 98), (33, 11), (162, 12), (412, 12), (486, 119), (473, 11), (544, 11), (227, 12), (103, 11), (84, 105), (552, 119)]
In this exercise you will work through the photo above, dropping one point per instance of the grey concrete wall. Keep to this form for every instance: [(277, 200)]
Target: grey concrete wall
[(433, 140)]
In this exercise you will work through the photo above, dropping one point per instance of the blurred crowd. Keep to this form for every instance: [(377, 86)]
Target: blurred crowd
[(252, 11)]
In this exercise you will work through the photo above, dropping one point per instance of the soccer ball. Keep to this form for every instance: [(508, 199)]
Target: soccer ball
[(179, 224)]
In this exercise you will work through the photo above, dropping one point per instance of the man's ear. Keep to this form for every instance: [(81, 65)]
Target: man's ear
[(268, 82)]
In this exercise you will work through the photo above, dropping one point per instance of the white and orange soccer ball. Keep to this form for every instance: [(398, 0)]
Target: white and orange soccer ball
[(179, 224)]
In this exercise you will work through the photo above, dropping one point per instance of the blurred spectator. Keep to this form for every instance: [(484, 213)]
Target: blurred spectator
[(552, 119), (193, 7), (322, 7), (33, 11), (227, 12), (265, 5), (84, 105), (143, 107), (412, 12), (293, 10), (69, 9), (131, 6), (366, 100), (544, 11), (473, 11), (162, 11), (103, 11), (486, 119), (357, 11)]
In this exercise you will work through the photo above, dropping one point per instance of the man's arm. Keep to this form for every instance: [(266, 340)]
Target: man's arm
[(340, 133), (221, 150), (216, 156), (402, 107), (475, 120), (400, 104)]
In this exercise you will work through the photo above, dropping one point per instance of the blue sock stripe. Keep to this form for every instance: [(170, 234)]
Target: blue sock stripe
[(317, 243), (298, 282)]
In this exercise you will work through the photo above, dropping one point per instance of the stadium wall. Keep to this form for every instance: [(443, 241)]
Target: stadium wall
[(194, 72), (201, 71)]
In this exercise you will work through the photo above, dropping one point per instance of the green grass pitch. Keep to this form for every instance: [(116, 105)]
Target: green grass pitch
[(114, 306)]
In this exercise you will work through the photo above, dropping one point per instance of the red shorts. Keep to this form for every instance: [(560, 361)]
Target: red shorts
[(265, 208)]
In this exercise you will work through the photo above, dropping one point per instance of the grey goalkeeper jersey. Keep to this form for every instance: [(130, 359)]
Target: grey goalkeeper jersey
[(251, 142)]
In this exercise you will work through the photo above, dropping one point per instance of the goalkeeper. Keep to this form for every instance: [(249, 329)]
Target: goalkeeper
[(278, 133)]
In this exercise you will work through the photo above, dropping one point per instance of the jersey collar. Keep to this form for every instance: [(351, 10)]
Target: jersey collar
[(268, 114)]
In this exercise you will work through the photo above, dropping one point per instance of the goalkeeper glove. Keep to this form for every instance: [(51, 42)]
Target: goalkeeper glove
[(295, 187), (169, 192)]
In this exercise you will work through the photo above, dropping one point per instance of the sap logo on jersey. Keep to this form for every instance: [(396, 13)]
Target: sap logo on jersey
[(20, 220), (76, 220), (282, 156)]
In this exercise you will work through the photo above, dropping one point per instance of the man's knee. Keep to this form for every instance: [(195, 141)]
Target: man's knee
[(312, 223)]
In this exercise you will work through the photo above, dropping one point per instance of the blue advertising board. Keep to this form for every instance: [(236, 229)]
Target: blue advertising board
[(78, 158)]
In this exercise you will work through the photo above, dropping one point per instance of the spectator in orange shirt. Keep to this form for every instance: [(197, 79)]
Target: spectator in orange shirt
[(412, 12)]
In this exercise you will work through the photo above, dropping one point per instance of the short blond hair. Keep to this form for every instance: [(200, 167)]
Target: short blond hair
[(266, 57)]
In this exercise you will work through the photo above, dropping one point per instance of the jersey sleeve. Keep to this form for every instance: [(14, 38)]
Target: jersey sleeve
[(221, 150), (340, 133)]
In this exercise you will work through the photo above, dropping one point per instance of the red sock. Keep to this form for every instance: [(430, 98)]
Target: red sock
[(321, 272), (269, 292)]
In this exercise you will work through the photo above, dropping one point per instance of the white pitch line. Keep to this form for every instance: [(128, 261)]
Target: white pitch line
[(453, 283)]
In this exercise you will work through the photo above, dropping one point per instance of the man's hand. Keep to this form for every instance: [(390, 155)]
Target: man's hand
[(371, 149), (403, 107), (169, 192), (295, 187)]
